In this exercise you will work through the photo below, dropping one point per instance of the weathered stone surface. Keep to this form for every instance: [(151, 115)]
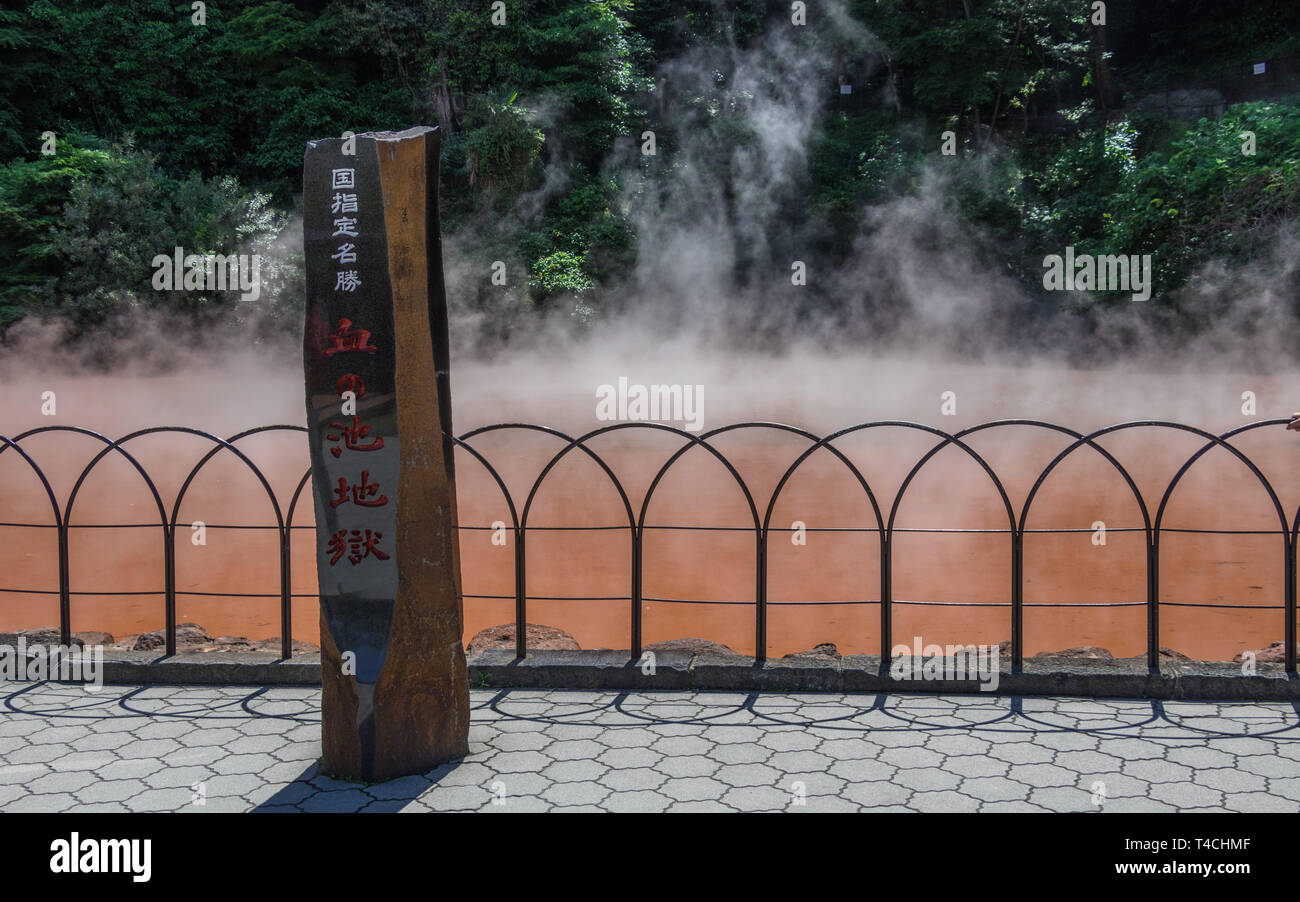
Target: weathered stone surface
[(379, 421), (1081, 651), (41, 635), (273, 644), (188, 635), (1274, 653), (191, 638), (1166, 654), (692, 645), (538, 637), (614, 670), (230, 642), (822, 649), (1094, 653)]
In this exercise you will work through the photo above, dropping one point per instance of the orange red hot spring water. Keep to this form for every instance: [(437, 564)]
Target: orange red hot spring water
[(699, 547)]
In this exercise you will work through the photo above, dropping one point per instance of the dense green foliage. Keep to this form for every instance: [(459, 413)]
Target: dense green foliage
[(171, 133), (80, 228)]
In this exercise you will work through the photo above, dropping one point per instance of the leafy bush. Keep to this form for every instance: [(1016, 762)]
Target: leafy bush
[(1203, 198), (501, 145), (560, 272), (86, 224)]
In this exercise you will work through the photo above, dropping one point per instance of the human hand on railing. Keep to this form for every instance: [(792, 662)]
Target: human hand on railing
[(1295, 422)]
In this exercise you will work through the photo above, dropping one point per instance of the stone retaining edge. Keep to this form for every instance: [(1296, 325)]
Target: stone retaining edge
[(611, 670)]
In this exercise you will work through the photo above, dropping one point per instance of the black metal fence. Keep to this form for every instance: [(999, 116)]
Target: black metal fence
[(885, 521)]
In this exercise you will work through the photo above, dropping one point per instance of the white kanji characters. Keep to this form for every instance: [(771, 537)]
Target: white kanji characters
[(345, 280)]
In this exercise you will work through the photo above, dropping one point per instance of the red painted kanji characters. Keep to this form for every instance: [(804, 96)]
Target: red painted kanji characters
[(361, 493), (349, 339), (350, 382), (357, 544), (352, 437)]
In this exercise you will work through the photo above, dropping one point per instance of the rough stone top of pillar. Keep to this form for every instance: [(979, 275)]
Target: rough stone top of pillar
[(414, 131)]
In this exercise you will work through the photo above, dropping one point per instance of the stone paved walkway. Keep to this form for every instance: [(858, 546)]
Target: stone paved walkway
[(222, 748)]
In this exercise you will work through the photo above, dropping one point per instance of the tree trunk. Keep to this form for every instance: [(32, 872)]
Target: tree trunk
[(442, 103), (893, 84), (1015, 42), (1101, 76)]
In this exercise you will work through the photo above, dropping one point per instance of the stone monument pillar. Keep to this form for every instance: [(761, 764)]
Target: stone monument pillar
[(394, 693)]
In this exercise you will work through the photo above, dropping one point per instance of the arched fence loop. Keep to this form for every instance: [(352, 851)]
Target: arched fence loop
[(521, 640), (61, 534), (521, 525), (1016, 548), (1288, 551), (885, 517), (166, 523), (760, 529), (65, 567), (1018, 536), (282, 528), (1080, 442)]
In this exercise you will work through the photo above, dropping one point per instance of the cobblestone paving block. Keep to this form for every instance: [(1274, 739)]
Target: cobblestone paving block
[(944, 800), (976, 766), (631, 779), (629, 756), (1187, 795), (924, 779), (585, 793), (688, 766), (1258, 801), (872, 794), (1230, 779), (574, 771), (698, 808), (758, 798), (641, 800), (995, 789)]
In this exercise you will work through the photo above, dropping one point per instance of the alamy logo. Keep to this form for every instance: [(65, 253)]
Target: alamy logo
[(1109, 272), (952, 662), (37, 663), (103, 856), (670, 403), (209, 272)]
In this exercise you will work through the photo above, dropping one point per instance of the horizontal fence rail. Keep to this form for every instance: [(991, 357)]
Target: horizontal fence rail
[(885, 520)]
